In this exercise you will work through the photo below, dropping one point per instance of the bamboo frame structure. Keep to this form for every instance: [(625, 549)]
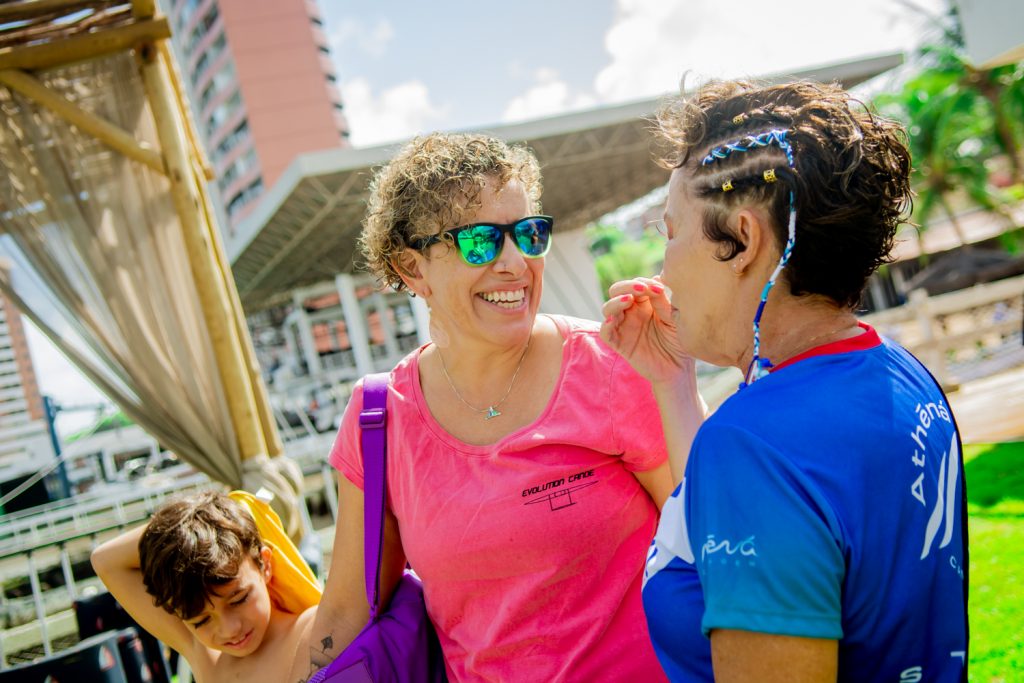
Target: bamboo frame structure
[(212, 289), (88, 46), (27, 9), (116, 26), (88, 122), (143, 9), (272, 440)]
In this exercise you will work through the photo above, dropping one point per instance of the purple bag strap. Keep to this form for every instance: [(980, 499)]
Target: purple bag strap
[(373, 426)]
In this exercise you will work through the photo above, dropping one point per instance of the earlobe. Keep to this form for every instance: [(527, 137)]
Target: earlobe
[(754, 233), (407, 264), (267, 556)]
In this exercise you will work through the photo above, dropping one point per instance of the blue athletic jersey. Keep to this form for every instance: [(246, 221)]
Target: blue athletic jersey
[(822, 501)]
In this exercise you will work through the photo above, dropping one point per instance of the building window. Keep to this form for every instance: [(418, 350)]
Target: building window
[(317, 21), (238, 168), (323, 48), (202, 28), (241, 132), (246, 195), (222, 113), (187, 10), (223, 79), (209, 57)]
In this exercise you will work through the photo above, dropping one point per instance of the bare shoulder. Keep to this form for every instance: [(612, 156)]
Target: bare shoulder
[(304, 626), (202, 661), (300, 646)]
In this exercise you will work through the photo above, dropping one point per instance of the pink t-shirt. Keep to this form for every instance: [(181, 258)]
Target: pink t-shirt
[(531, 549)]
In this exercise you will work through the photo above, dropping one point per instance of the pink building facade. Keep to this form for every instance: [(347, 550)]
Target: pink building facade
[(262, 88)]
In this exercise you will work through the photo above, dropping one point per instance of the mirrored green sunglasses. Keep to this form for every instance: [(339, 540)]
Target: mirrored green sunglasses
[(480, 243)]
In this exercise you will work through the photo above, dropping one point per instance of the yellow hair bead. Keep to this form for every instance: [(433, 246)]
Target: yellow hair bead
[(769, 176), (726, 186), (739, 119)]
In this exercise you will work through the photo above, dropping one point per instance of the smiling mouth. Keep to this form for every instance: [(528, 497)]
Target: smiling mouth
[(505, 298), (241, 642)]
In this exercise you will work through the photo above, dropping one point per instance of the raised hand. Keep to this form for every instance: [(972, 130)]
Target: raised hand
[(639, 326)]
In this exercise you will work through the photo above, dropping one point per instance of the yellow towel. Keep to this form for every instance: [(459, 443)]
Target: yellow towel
[(293, 585)]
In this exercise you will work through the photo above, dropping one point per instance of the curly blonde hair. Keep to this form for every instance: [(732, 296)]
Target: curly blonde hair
[(432, 184)]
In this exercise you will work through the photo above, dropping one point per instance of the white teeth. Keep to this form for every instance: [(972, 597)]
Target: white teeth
[(506, 297)]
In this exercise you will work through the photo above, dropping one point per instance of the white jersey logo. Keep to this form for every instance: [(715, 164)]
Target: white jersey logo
[(912, 675), (672, 539), (945, 500)]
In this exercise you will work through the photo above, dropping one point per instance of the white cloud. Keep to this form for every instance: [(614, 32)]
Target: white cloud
[(398, 112), (373, 40), (652, 43), (549, 95)]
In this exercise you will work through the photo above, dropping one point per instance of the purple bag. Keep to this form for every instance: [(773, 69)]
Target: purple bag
[(398, 645)]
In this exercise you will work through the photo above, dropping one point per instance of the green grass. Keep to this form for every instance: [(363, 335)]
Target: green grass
[(995, 491)]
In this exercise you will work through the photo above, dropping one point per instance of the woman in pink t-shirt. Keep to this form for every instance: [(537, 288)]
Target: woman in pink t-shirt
[(526, 461)]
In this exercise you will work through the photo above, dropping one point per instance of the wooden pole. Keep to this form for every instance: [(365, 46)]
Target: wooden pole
[(26, 9), (266, 417), (195, 146), (87, 46), (104, 131), (143, 9), (210, 284)]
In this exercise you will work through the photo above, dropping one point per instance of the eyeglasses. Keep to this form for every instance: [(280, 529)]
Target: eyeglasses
[(658, 226), (480, 243)]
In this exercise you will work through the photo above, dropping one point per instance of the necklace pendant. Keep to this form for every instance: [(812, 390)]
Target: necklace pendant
[(491, 412)]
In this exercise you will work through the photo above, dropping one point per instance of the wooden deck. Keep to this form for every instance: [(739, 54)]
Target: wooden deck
[(991, 408)]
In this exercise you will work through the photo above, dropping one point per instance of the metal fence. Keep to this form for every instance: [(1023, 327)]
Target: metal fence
[(46, 543)]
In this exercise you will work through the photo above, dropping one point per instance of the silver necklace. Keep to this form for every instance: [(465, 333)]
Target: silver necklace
[(490, 411)]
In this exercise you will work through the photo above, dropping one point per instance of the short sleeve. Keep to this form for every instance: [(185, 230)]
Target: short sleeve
[(768, 549), (346, 453), (635, 419)]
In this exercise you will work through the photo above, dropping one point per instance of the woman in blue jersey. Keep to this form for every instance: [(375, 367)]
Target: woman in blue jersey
[(817, 531)]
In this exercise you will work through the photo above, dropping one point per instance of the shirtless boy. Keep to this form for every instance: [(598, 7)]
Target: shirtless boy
[(199, 578)]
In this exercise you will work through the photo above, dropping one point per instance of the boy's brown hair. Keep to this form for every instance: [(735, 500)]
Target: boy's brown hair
[(192, 544)]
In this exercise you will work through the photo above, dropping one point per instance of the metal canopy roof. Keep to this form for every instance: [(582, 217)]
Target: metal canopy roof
[(304, 229)]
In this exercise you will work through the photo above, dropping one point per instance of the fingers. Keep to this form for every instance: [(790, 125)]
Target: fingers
[(643, 286), (639, 290)]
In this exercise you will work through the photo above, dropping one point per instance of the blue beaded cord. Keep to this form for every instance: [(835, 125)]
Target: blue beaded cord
[(759, 366)]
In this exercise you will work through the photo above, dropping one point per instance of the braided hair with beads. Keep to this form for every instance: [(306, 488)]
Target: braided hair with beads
[(833, 176)]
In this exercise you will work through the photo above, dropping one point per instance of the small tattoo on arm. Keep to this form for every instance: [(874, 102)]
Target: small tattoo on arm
[(322, 656)]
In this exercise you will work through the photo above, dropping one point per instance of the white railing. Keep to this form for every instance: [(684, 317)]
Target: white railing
[(56, 537), (962, 335)]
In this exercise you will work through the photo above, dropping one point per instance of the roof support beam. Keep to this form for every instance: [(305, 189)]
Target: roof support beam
[(296, 239), (143, 9), (87, 46), (104, 131), (27, 9)]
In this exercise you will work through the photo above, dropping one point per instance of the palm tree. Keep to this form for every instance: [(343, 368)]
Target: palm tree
[(960, 119)]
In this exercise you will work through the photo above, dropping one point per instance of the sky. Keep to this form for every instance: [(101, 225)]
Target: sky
[(407, 66)]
